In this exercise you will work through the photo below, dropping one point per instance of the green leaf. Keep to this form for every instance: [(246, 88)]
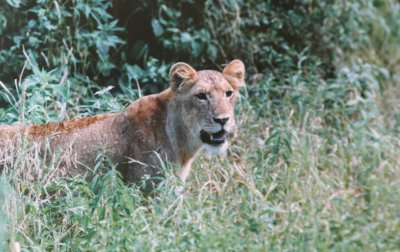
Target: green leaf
[(185, 37), (157, 28), (14, 3)]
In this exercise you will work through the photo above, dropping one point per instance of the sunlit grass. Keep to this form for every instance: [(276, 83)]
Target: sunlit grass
[(316, 188)]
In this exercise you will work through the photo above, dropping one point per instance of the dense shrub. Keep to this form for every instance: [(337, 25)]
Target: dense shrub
[(84, 37), (78, 35), (81, 46)]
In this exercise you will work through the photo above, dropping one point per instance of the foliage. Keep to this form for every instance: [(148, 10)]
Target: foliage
[(313, 166), (73, 34)]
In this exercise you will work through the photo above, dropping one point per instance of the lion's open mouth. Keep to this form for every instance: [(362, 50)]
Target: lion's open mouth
[(217, 138)]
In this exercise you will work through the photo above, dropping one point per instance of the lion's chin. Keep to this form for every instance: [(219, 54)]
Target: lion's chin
[(214, 142), (217, 149)]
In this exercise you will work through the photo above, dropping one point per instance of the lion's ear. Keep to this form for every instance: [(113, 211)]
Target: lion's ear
[(181, 74), (234, 72)]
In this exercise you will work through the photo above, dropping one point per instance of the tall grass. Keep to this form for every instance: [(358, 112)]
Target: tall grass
[(290, 181)]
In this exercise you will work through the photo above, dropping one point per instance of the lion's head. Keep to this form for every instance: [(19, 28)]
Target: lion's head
[(206, 101)]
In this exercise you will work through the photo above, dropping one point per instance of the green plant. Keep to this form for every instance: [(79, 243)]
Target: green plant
[(76, 38)]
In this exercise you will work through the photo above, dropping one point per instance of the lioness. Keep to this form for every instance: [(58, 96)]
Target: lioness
[(196, 111)]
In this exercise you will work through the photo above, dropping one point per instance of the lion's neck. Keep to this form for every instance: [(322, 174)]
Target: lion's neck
[(159, 117), (185, 145)]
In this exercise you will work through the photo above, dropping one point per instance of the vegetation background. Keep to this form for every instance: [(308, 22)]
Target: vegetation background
[(315, 164)]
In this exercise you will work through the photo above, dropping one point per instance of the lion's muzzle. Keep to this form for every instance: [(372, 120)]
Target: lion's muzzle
[(214, 139)]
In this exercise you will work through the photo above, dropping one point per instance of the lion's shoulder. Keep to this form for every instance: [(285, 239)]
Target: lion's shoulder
[(149, 110)]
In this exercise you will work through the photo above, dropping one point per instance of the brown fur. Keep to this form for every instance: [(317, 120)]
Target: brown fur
[(165, 125), (37, 131)]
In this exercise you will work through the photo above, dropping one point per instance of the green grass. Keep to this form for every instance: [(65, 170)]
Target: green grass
[(289, 182)]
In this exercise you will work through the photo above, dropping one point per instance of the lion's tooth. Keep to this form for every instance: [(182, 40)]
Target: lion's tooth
[(211, 137)]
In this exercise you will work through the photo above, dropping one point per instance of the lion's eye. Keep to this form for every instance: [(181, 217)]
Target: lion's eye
[(229, 93), (201, 96)]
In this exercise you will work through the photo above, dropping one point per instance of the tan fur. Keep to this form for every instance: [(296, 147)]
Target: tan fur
[(165, 125)]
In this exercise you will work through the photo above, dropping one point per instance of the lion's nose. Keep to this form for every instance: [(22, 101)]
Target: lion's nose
[(221, 121)]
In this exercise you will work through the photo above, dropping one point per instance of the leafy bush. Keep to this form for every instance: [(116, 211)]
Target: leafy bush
[(76, 34), (85, 38)]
